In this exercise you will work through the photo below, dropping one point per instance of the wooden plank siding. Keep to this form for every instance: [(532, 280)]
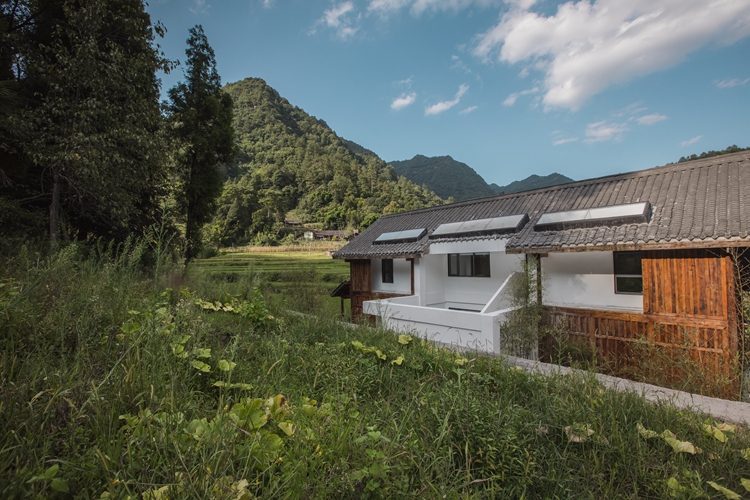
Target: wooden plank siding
[(360, 275), (689, 306)]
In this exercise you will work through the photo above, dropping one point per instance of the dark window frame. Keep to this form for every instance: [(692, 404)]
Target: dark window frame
[(386, 268), (619, 274), (473, 264)]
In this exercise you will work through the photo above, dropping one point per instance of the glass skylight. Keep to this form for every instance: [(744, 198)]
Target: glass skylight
[(496, 225), (406, 236), (591, 217)]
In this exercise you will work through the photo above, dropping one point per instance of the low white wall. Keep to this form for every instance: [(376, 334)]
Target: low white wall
[(401, 277), (585, 280), (459, 328)]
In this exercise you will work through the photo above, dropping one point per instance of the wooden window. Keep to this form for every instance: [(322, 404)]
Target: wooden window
[(387, 267), (628, 274), (469, 264)]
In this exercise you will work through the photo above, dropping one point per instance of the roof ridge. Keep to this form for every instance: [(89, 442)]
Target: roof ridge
[(697, 163)]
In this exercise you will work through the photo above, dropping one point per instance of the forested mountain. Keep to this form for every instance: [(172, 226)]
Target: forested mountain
[(445, 176), (448, 177), (292, 164), (531, 182), (731, 149)]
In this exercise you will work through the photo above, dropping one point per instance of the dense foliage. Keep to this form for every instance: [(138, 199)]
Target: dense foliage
[(731, 149), (200, 115), (80, 138), (291, 164), (444, 175), (128, 389)]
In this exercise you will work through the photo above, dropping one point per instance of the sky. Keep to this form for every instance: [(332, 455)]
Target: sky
[(510, 87)]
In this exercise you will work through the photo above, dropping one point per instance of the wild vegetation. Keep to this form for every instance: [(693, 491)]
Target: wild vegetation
[(731, 149), (122, 379)]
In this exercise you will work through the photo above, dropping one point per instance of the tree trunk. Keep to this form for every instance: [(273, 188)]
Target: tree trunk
[(54, 210)]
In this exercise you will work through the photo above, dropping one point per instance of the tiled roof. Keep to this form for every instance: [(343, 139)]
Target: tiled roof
[(700, 203)]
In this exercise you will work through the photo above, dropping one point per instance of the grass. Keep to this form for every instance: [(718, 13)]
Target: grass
[(114, 384), (301, 280)]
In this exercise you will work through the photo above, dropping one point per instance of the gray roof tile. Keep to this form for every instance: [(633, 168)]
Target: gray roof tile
[(694, 203)]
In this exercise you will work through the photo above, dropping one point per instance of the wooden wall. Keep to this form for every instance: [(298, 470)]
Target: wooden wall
[(689, 306), (360, 275)]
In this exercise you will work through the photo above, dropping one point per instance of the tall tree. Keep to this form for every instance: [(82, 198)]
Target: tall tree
[(89, 119), (201, 117)]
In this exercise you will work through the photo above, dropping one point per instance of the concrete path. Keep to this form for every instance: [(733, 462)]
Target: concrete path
[(719, 409)]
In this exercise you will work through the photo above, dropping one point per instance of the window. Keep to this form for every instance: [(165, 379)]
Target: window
[(469, 264), (387, 268), (628, 274)]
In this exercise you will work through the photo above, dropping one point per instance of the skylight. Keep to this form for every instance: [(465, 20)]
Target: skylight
[(496, 225), (406, 236), (590, 217)]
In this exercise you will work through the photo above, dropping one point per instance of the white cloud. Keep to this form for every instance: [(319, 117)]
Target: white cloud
[(512, 98), (340, 18), (268, 4), (468, 110), (734, 82), (691, 141), (442, 106), (200, 7), (403, 101), (651, 119), (564, 140), (603, 131), (418, 7), (404, 83), (588, 45)]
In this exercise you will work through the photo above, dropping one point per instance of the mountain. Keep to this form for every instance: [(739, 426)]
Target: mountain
[(448, 177), (292, 165), (445, 176), (531, 182)]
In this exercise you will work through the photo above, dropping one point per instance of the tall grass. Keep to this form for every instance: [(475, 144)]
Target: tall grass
[(108, 390)]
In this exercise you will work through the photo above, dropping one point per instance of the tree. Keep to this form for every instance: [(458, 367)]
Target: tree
[(201, 118), (88, 123)]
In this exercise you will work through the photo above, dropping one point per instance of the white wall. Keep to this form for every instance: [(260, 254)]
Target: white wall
[(464, 292), (585, 280), (401, 277)]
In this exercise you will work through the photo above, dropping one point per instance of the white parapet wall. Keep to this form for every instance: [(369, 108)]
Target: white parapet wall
[(457, 328)]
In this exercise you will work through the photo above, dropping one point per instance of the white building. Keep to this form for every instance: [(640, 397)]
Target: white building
[(642, 254)]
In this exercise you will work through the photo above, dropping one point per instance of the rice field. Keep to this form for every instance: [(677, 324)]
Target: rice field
[(300, 280)]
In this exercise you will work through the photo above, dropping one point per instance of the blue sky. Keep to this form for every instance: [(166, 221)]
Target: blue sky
[(510, 87)]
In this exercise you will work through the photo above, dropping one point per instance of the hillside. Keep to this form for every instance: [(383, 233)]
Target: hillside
[(448, 177), (445, 176), (531, 182), (291, 164)]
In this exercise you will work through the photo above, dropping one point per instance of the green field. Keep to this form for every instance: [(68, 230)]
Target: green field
[(299, 280)]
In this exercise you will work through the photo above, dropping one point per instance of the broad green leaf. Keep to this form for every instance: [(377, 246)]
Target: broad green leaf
[(287, 427), (404, 339), (62, 486), (226, 366), (220, 384), (380, 354), (745, 483), (461, 361), (241, 386), (201, 352), (675, 488), (710, 430), (398, 361), (201, 366), (679, 446), (745, 453), (52, 471), (645, 433), (578, 433), (731, 495)]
